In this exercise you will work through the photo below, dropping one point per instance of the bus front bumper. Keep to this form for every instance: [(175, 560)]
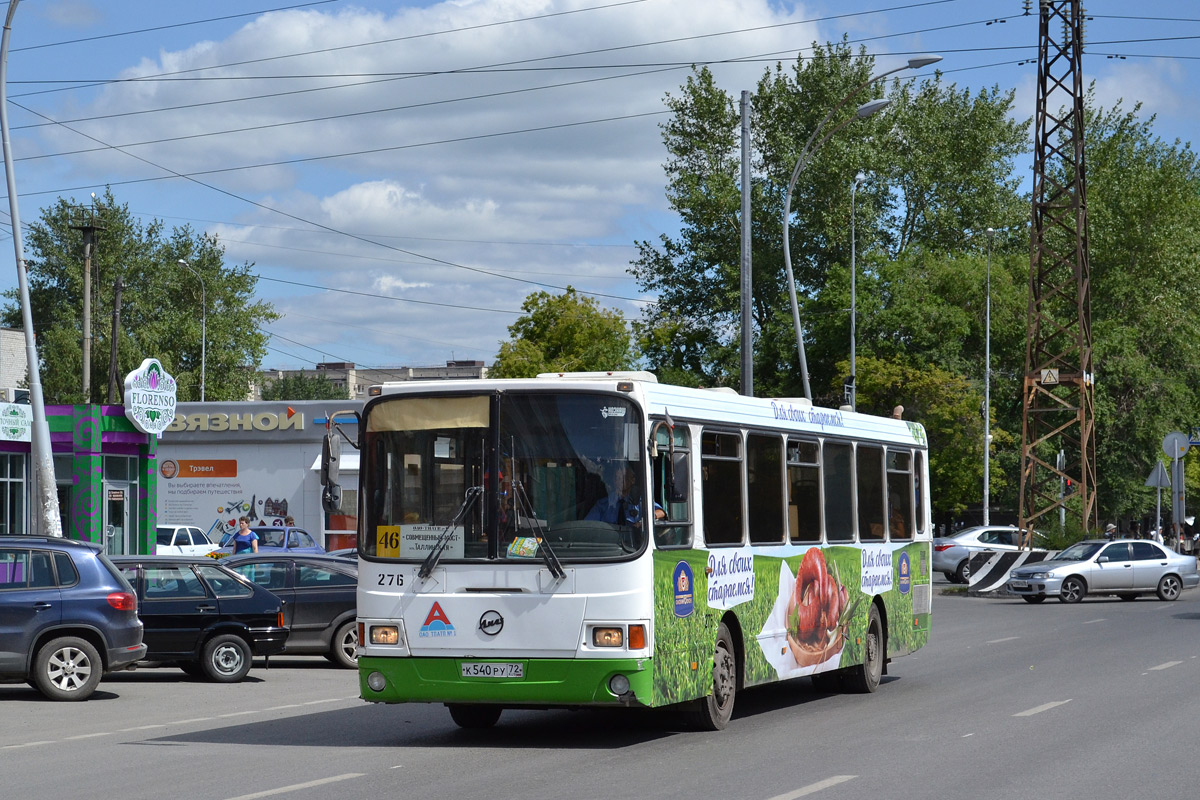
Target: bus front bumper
[(544, 681)]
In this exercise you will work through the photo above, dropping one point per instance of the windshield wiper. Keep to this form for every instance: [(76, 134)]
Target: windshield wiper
[(544, 548), (443, 539)]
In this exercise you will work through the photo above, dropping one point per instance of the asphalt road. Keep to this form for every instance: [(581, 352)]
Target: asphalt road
[(1008, 700)]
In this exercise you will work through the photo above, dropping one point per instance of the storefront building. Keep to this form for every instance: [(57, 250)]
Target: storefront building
[(220, 461), (103, 467)]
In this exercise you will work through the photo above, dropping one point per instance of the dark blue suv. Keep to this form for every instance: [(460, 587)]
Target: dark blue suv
[(66, 616)]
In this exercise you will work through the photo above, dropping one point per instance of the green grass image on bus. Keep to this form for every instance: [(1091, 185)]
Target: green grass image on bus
[(763, 620)]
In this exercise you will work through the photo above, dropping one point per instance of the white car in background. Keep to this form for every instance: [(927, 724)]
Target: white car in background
[(952, 554), (182, 540)]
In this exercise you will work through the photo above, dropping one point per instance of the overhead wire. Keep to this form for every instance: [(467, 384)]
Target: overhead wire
[(329, 228), (159, 28)]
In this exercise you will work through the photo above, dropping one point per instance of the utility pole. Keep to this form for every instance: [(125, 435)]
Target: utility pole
[(747, 275), (1057, 407), (113, 377), (87, 224)]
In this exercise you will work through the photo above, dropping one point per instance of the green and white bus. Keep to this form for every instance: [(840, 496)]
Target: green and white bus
[(600, 539)]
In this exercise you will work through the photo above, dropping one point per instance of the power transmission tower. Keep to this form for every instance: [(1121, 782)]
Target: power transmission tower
[(1058, 411)]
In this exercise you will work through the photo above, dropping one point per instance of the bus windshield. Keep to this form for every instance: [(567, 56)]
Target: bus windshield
[(504, 477)]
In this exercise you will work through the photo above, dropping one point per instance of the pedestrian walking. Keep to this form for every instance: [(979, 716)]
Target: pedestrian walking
[(245, 539)]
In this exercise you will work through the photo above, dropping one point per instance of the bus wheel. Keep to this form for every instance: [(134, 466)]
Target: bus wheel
[(712, 713), (474, 717), (865, 677)]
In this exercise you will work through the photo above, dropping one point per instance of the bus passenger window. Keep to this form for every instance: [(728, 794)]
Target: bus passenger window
[(804, 490), (919, 491), (765, 488), (870, 493), (900, 494), (839, 492), (671, 479), (721, 485)]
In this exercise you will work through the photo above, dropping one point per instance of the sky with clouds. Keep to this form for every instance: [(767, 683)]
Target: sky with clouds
[(402, 174)]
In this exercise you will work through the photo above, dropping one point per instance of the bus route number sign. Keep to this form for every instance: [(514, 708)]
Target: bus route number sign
[(492, 669), (387, 541)]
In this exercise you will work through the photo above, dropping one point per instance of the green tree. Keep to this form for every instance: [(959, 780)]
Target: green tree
[(160, 305), (567, 332), (303, 387), (1144, 215), (948, 406), (941, 161)]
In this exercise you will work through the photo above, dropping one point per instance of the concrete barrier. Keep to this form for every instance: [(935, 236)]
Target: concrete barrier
[(989, 569)]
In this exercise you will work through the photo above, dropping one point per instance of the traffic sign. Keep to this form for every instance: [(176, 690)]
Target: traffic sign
[(1158, 477), (1175, 444)]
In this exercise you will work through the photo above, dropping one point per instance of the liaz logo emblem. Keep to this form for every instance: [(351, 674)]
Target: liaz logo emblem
[(437, 624), (491, 623)]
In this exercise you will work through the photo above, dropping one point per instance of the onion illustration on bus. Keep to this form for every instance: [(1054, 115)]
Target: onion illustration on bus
[(817, 612)]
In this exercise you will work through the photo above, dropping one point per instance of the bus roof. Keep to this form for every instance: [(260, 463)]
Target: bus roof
[(685, 404)]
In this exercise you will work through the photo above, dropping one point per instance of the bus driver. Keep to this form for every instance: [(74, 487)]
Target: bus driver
[(621, 506)]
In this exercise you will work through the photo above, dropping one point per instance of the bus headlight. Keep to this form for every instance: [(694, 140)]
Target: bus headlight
[(376, 681), (385, 634), (607, 637)]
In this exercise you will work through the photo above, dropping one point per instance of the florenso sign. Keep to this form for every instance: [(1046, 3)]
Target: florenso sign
[(150, 397)]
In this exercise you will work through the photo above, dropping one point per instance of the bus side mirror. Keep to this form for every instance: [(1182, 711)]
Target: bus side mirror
[(331, 455), (331, 498)]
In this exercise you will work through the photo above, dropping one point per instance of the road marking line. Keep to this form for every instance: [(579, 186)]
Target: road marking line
[(815, 787), (139, 728), (279, 708), (1041, 708), (1006, 639), (1167, 665), (318, 702), (295, 787), (87, 736), (194, 719), (1090, 621), (24, 744)]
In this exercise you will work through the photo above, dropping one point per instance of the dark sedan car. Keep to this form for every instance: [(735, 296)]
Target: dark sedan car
[(319, 603), (204, 618)]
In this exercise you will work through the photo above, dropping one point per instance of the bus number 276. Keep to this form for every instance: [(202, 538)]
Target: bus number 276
[(391, 579)]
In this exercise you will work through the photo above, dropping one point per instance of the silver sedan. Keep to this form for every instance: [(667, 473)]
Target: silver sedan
[(1126, 568)]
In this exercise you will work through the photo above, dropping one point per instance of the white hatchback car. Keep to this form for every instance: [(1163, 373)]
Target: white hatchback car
[(182, 540)]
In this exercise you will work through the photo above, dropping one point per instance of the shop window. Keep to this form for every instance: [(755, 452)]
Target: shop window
[(12, 494)]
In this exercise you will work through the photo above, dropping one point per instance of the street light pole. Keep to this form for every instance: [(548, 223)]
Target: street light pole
[(987, 384), (864, 110), (203, 322), (858, 180), (43, 458)]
